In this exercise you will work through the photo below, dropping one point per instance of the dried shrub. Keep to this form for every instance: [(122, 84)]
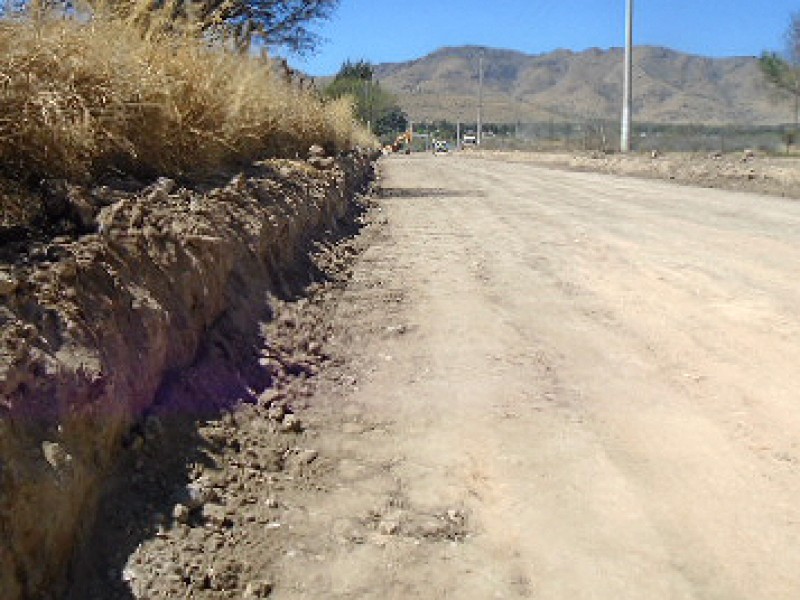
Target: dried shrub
[(81, 97)]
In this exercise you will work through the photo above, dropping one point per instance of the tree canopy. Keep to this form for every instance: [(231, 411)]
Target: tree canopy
[(779, 72), (272, 23), (286, 23), (782, 71), (373, 105), (356, 70)]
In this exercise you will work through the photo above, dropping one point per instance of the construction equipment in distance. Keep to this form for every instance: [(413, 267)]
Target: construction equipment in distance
[(403, 142)]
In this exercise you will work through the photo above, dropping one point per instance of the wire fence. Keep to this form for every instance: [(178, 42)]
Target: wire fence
[(604, 136)]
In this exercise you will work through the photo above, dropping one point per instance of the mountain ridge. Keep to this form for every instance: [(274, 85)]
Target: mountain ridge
[(565, 85)]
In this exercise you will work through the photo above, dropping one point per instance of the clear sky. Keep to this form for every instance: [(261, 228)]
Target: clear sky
[(406, 29)]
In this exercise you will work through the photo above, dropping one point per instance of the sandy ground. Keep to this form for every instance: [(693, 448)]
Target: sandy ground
[(540, 384), (738, 171)]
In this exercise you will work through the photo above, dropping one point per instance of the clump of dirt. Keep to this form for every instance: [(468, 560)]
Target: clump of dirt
[(198, 506), (193, 497), (214, 508), (120, 336), (747, 171)]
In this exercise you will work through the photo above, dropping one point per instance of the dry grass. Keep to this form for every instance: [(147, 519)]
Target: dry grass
[(80, 98)]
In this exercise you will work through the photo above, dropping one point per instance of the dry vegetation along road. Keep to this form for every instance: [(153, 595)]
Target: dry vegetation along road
[(589, 382), (546, 384)]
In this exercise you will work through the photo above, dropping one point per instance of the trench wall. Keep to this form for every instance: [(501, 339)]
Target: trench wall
[(90, 326)]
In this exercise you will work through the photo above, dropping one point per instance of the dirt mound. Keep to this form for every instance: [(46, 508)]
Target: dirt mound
[(748, 171), (96, 326), (254, 503)]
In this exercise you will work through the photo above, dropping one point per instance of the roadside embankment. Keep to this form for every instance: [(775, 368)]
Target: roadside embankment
[(751, 172), (91, 326)]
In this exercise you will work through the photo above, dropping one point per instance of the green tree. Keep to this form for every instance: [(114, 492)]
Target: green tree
[(392, 122), (362, 70), (374, 106), (783, 71)]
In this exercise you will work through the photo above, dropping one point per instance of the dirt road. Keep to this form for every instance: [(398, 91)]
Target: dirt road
[(574, 386), (542, 384)]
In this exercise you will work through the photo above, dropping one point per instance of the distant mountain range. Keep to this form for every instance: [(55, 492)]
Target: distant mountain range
[(670, 87)]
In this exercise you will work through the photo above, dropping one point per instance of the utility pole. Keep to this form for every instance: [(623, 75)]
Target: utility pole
[(627, 93), (458, 135), (479, 136), (366, 85)]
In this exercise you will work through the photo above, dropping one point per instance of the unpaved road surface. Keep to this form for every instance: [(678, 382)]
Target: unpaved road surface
[(541, 384), (748, 171), (573, 386)]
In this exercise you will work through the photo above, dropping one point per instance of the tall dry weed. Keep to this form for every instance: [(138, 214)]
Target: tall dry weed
[(78, 98)]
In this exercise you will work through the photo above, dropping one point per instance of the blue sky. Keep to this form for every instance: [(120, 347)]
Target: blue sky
[(381, 31)]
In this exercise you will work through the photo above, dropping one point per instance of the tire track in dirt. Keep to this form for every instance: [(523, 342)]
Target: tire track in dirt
[(541, 385), (598, 372)]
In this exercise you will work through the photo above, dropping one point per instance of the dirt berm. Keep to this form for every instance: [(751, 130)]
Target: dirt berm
[(91, 326)]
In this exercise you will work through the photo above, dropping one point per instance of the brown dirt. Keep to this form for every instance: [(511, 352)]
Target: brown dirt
[(529, 383), (249, 464), (138, 323), (508, 381), (752, 172)]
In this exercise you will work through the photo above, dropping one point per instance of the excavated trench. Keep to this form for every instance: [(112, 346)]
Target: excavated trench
[(139, 331)]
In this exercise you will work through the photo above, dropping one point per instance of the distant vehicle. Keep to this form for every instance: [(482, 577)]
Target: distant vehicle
[(469, 140), (440, 147)]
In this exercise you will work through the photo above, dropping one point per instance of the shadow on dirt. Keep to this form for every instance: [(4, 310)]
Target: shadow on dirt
[(422, 192), (193, 421)]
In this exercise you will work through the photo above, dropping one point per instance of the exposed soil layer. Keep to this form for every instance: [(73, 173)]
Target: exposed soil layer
[(751, 172), (206, 507), (133, 322), (255, 501)]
